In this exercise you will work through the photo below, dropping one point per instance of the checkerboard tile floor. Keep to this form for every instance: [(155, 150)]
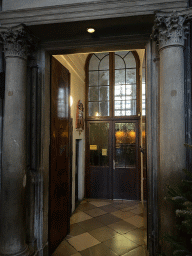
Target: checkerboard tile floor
[(106, 228)]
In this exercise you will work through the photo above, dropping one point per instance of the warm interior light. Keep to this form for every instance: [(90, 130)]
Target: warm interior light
[(71, 101), (91, 30)]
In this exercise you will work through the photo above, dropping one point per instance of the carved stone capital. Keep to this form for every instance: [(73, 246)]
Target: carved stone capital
[(170, 30), (17, 41)]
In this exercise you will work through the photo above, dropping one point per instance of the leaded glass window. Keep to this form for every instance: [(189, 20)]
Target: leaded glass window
[(143, 88), (112, 84), (98, 94), (125, 84)]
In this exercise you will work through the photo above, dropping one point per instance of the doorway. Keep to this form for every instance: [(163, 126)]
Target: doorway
[(113, 125), (113, 160)]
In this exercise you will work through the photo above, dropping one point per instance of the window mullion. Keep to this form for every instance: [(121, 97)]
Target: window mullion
[(111, 82)]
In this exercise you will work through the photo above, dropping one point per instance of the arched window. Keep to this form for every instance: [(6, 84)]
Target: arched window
[(112, 84)]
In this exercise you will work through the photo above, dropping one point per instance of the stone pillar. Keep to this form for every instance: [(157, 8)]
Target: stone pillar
[(17, 44), (169, 33)]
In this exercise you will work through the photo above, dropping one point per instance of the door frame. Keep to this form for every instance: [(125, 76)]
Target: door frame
[(151, 130)]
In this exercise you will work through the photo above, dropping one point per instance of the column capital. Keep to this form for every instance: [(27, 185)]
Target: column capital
[(17, 41), (170, 30)]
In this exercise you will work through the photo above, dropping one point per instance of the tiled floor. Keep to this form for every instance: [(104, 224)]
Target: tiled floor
[(106, 228)]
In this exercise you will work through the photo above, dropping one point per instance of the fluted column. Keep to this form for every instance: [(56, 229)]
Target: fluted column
[(17, 45), (169, 32)]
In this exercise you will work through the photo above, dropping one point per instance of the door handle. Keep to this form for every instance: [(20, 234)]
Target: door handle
[(114, 164)]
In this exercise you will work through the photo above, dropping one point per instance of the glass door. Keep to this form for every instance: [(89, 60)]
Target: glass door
[(126, 178), (99, 160), (112, 161)]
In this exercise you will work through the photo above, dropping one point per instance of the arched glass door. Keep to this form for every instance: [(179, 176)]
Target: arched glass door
[(112, 118)]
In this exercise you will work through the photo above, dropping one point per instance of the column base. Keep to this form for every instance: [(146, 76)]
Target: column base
[(25, 252)]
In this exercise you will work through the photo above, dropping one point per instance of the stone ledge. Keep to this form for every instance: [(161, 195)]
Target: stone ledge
[(88, 11)]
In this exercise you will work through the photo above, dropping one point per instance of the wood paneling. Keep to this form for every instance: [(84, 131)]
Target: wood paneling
[(59, 186)]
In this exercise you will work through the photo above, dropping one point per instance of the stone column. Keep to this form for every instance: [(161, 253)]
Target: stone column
[(17, 44), (169, 33)]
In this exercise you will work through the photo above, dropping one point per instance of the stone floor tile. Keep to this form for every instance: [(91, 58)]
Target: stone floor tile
[(122, 214), (76, 230), (100, 203), (137, 210), (108, 208), (120, 245), (122, 227), (83, 241), (64, 249), (91, 224), (136, 220), (107, 219), (103, 233), (78, 217), (95, 212), (85, 207), (139, 251), (98, 250), (127, 209), (137, 236)]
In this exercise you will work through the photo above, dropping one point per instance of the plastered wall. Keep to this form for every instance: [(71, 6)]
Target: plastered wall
[(75, 63)]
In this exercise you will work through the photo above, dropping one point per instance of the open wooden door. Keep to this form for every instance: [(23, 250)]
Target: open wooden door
[(59, 191)]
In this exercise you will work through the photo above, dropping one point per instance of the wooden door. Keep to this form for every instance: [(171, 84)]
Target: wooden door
[(59, 193)]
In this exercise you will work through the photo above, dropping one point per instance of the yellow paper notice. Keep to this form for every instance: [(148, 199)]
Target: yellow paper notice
[(104, 152), (93, 147)]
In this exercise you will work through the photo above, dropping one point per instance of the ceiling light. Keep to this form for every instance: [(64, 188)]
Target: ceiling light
[(90, 30)]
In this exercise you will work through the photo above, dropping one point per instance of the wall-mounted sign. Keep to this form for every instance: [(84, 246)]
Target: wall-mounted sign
[(79, 116), (93, 147), (104, 152)]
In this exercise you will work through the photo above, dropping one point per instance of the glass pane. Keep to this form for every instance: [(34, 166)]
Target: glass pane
[(98, 144), (119, 105), (94, 63), (131, 76), (130, 60), (93, 78), (122, 54), (143, 92), (62, 102), (104, 108), (101, 55), (103, 78), (93, 108), (120, 76), (93, 94), (119, 92), (104, 93), (144, 143), (119, 62), (143, 62), (125, 145), (131, 90), (143, 75), (104, 64)]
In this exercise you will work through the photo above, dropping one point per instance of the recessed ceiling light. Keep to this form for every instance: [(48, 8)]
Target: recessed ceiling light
[(90, 30)]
